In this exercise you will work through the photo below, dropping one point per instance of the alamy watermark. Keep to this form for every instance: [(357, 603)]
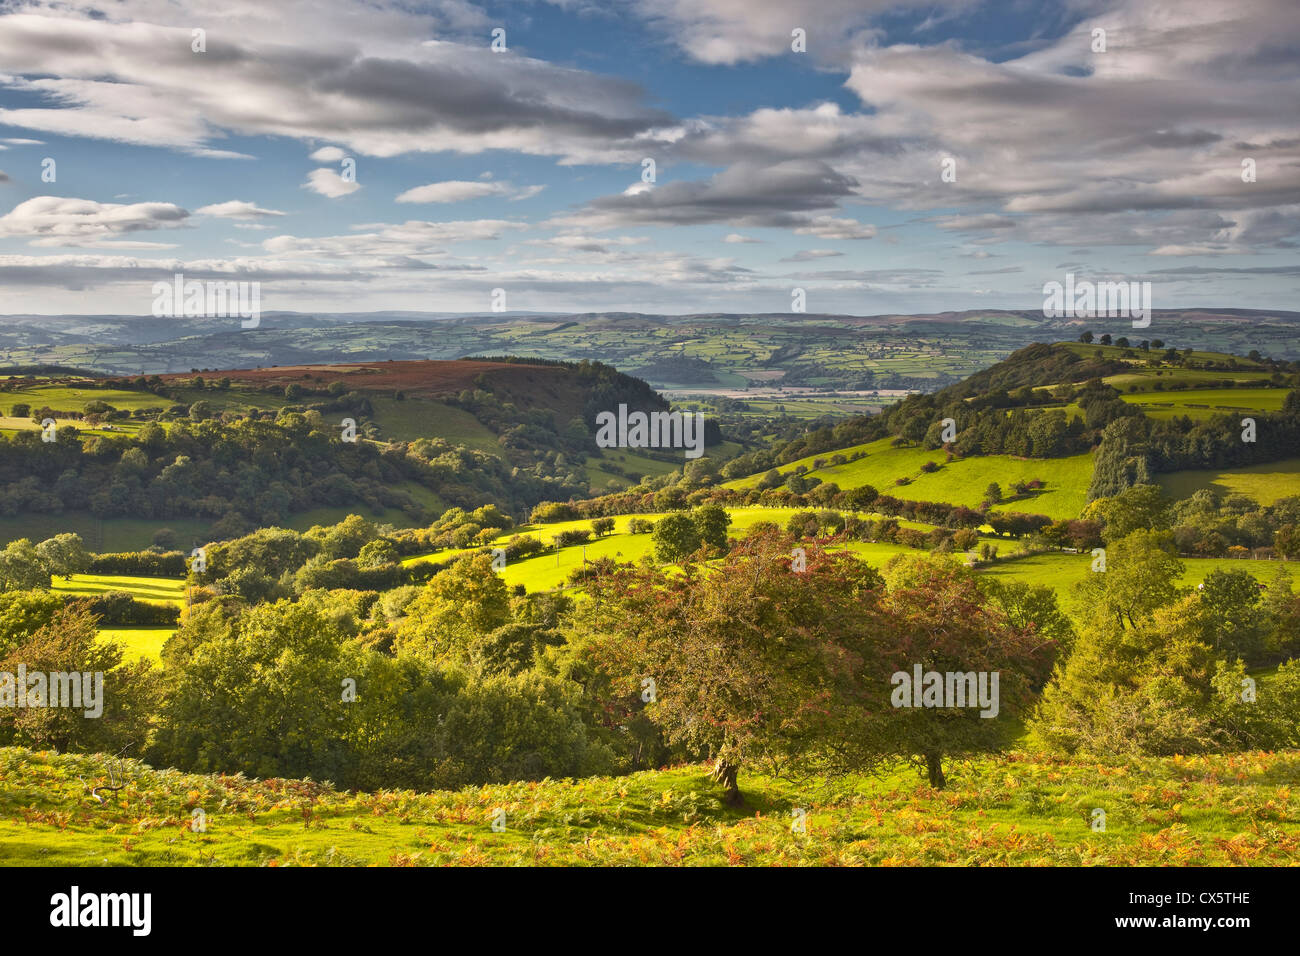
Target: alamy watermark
[(651, 430), (194, 299), (77, 689), (950, 689), (1090, 300)]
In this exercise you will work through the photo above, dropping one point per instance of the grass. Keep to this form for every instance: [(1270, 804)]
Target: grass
[(1264, 483), (1059, 570), (960, 482), (1206, 403), (1015, 810), (155, 590), (138, 643)]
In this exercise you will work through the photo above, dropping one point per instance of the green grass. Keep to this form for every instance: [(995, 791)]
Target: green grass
[(960, 482), (1059, 570), (138, 643), (156, 590), (415, 418), (1264, 483), (1016, 810), (1206, 403), (72, 398)]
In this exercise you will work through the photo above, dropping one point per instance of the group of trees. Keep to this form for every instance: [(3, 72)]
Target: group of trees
[(1134, 449), (1160, 669), (24, 565)]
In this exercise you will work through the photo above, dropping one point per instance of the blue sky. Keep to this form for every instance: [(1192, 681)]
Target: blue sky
[(522, 170)]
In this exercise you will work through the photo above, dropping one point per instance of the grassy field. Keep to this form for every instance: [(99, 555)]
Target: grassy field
[(1206, 403), (138, 642), (1264, 483), (960, 482), (1018, 810), (156, 590), (1059, 570)]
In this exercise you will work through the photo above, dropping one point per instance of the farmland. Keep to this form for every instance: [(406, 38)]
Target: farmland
[(1264, 483), (962, 481)]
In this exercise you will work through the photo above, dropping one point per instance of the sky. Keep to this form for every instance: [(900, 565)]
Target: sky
[(668, 156)]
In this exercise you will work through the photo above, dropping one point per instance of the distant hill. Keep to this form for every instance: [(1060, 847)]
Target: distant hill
[(923, 351)]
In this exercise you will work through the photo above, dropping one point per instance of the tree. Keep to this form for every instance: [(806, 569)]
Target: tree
[(939, 619), (675, 537), (68, 643), (1141, 575), (457, 607), (752, 662), (1139, 689), (602, 526), (711, 522), (993, 493), (63, 555), (21, 567), (1230, 617), (1134, 509), (1086, 338)]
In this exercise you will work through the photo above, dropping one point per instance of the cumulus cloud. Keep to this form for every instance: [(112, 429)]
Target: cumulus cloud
[(415, 238), (328, 154), (329, 183), (785, 195), (737, 31), (60, 221)]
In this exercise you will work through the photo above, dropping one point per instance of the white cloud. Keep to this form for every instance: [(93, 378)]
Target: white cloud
[(328, 154), (236, 209), (453, 191), (60, 221), (329, 183)]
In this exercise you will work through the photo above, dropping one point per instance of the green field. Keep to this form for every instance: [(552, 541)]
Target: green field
[(1059, 570), (1206, 403), (1264, 483), (1240, 809), (138, 642), (960, 482), (156, 590)]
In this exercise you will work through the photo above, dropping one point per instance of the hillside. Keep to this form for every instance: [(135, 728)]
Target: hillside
[(430, 435), (1020, 810)]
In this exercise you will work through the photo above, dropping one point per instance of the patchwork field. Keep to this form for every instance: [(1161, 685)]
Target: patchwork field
[(1018, 810)]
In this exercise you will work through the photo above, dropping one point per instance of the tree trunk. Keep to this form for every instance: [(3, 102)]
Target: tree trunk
[(724, 772), (934, 767)]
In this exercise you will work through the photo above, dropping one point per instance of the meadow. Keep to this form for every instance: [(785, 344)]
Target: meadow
[(961, 482), (1265, 483), (1019, 809)]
